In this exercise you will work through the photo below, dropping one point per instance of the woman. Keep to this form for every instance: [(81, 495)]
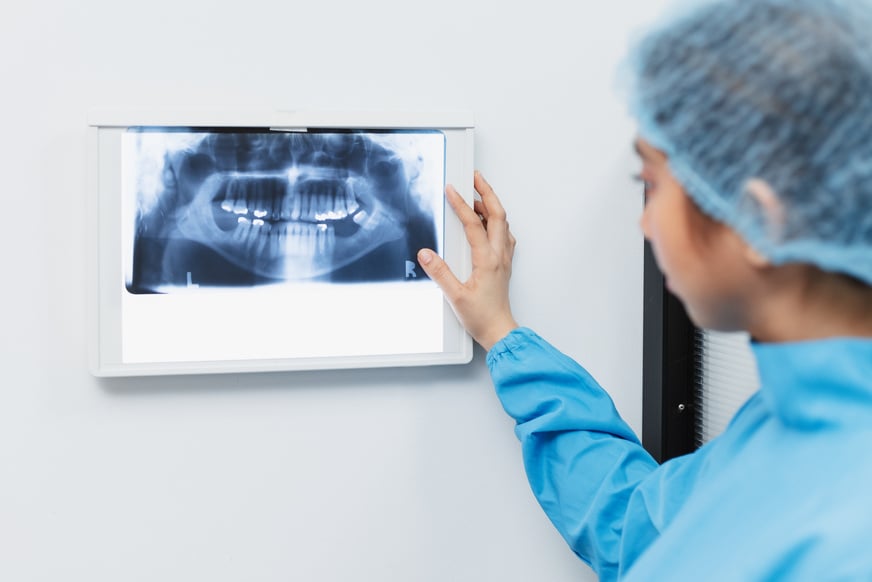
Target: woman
[(755, 125)]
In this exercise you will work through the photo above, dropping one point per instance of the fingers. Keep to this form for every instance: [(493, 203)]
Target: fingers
[(491, 209), (485, 222), (480, 209), (440, 273), (472, 226), (490, 203)]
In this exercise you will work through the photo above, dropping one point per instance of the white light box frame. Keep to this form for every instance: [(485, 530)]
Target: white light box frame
[(251, 241)]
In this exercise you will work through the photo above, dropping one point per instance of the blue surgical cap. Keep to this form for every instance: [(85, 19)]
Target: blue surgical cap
[(774, 92)]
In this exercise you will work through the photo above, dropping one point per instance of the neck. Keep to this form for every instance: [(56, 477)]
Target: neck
[(799, 303)]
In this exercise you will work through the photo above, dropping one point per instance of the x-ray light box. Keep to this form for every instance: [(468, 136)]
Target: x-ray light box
[(251, 241)]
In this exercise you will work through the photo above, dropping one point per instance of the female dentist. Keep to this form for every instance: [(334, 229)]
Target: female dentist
[(755, 141)]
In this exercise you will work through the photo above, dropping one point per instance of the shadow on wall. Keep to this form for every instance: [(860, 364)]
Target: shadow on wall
[(410, 378)]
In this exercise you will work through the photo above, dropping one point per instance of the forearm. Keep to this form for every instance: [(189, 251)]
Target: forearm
[(582, 460)]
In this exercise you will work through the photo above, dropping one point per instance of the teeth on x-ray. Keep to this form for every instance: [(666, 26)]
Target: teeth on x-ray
[(256, 207)]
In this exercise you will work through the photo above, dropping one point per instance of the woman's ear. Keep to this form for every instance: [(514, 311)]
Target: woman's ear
[(755, 259), (773, 214), (767, 200)]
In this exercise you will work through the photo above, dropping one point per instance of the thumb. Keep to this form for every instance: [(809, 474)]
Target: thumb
[(439, 272)]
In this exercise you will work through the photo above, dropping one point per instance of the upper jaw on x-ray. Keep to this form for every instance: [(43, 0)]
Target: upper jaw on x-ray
[(248, 208)]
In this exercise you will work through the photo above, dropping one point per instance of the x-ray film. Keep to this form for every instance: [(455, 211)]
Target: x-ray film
[(247, 208), (274, 248)]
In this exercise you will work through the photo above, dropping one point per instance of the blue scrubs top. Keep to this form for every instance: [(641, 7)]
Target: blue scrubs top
[(784, 494)]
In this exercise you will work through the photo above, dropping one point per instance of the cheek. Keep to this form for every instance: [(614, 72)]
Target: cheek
[(681, 260), (655, 225)]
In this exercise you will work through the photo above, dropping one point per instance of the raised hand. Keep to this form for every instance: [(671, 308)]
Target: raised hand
[(482, 302)]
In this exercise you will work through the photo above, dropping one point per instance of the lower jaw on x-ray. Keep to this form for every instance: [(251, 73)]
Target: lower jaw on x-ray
[(219, 208)]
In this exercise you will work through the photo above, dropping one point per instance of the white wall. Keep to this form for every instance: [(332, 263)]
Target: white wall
[(375, 475)]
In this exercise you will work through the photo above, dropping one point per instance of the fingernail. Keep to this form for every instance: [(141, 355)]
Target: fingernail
[(425, 257)]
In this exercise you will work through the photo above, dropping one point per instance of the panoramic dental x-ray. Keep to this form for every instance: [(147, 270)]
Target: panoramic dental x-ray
[(251, 207)]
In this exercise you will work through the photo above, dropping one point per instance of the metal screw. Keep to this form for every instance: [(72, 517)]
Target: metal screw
[(681, 407)]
